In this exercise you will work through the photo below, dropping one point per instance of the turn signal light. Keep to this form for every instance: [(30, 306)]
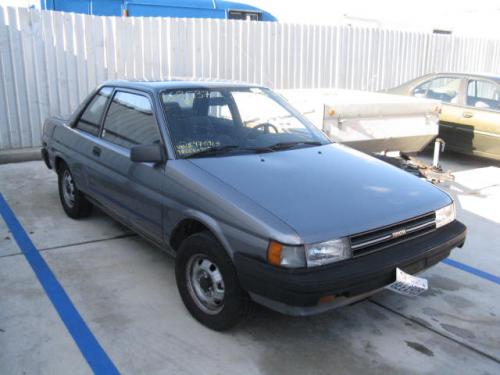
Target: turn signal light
[(274, 253), (288, 256), (327, 299)]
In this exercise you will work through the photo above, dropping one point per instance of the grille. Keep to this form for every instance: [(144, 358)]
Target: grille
[(374, 240)]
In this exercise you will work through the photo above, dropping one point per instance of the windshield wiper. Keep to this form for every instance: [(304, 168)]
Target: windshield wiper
[(211, 151), (219, 150), (285, 145), (258, 150)]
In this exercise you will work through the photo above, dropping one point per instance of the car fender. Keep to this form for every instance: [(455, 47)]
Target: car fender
[(211, 224)]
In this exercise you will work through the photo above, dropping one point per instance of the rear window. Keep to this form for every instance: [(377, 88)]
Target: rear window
[(90, 120), (483, 94)]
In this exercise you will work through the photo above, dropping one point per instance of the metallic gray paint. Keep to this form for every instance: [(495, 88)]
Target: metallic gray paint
[(326, 192), (296, 196)]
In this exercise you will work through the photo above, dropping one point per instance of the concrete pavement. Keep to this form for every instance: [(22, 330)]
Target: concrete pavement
[(125, 291)]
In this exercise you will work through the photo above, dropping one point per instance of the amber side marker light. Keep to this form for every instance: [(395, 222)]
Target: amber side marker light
[(327, 299), (274, 253)]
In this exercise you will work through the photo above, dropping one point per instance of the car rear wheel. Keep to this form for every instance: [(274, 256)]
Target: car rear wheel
[(208, 284), (73, 201)]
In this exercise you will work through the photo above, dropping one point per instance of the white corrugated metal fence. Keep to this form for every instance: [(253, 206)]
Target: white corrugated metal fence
[(49, 61)]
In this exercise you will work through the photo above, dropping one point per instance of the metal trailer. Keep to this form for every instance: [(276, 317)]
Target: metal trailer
[(161, 8), (389, 127)]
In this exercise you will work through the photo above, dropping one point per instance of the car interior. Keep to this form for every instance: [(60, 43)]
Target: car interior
[(202, 119), (483, 94), (445, 89)]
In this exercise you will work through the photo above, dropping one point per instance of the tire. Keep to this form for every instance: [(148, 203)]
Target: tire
[(201, 257), (73, 200)]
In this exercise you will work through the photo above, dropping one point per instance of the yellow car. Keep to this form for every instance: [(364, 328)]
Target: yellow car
[(470, 119)]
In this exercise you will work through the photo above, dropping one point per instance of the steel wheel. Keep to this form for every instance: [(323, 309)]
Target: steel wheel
[(208, 283), (68, 188), (205, 284)]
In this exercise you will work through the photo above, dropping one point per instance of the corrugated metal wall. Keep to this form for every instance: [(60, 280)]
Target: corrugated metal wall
[(49, 61)]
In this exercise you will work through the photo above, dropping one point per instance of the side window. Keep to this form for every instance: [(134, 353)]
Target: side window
[(90, 120), (445, 89), (130, 121), (483, 94), (244, 15)]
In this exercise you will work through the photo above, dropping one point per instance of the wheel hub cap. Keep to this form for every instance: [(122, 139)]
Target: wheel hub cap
[(68, 189), (205, 284)]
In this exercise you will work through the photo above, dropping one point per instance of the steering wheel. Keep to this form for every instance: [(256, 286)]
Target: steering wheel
[(266, 126)]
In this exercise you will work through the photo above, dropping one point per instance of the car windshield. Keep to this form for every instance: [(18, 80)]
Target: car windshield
[(228, 121)]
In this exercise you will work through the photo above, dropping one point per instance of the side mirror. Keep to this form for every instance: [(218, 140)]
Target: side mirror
[(152, 153)]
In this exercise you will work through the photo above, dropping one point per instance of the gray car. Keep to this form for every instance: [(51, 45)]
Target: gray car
[(254, 202)]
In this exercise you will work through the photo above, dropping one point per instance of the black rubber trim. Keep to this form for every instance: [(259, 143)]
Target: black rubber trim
[(304, 287)]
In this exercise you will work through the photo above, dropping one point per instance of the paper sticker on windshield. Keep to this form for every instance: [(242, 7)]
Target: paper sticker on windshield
[(408, 285)]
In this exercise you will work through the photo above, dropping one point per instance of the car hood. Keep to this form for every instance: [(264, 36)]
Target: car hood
[(327, 191)]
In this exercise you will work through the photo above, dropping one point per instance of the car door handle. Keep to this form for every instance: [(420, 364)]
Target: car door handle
[(467, 114), (96, 151)]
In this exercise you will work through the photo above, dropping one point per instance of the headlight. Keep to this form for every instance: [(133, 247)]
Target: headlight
[(327, 252), (308, 255), (445, 215)]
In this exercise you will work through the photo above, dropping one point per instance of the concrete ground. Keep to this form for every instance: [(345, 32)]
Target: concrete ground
[(125, 291)]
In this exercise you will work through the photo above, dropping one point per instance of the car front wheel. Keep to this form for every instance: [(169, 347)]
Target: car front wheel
[(208, 284)]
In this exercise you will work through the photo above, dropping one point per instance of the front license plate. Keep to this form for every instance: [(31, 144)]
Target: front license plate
[(408, 285)]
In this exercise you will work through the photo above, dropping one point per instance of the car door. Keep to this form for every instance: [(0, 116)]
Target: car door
[(480, 118), (80, 144), (132, 191), (449, 90)]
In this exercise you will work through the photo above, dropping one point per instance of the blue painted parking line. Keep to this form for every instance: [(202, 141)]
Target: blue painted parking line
[(472, 270), (92, 351)]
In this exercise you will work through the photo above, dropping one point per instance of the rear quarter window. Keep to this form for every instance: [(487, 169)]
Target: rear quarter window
[(90, 120)]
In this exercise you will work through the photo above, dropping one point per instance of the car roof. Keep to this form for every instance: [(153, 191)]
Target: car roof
[(175, 84), (494, 77)]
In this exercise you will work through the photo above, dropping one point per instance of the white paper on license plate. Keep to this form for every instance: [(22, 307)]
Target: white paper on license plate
[(408, 285)]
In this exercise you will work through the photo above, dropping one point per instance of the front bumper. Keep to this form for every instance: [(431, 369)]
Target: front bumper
[(277, 287)]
